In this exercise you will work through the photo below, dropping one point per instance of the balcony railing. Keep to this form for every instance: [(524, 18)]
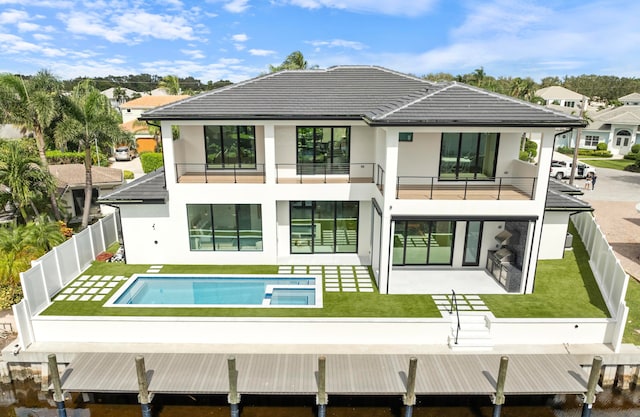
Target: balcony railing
[(493, 188), (309, 173), (206, 173)]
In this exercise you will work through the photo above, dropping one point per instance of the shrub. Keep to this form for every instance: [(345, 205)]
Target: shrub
[(10, 295), (631, 156), (633, 167), (128, 175), (151, 161), (635, 148), (565, 150), (601, 146), (59, 157), (531, 148), (524, 156)]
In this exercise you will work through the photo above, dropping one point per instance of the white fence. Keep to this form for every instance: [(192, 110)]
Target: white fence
[(55, 269), (609, 273)]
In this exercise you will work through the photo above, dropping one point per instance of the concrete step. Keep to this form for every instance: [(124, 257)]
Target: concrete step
[(474, 333)]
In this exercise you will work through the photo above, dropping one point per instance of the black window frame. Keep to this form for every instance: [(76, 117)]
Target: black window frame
[(312, 245), (234, 165), (313, 166), (457, 165), (237, 228), (466, 241), (431, 223)]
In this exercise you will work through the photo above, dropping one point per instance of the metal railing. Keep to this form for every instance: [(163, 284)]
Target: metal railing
[(379, 180), (490, 188), (326, 172), (453, 304), (220, 173)]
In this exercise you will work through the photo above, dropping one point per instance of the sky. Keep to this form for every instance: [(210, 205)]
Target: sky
[(236, 40)]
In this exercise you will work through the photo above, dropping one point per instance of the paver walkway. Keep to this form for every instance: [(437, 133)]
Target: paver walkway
[(89, 288), (336, 277)]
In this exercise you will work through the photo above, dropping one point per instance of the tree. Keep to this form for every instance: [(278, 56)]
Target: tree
[(43, 234), (24, 177), (171, 83), (88, 120), (32, 104), (295, 61)]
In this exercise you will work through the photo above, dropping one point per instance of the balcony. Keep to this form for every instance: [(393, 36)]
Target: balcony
[(319, 173), (495, 188), (206, 174)]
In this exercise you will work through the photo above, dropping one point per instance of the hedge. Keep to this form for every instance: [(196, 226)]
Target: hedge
[(151, 161)]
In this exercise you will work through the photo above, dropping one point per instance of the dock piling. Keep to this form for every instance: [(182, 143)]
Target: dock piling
[(233, 398), (322, 399), (409, 399), (498, 399), (58, 396), (144, 397), (590, 396)]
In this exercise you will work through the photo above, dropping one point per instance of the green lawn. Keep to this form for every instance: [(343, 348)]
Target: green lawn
[(618, 164), (632, 328), (564, 288)]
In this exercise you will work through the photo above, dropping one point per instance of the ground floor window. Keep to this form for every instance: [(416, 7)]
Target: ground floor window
[(472, 241), (225, 227), (591, 140), (423, 242), (324, 226)]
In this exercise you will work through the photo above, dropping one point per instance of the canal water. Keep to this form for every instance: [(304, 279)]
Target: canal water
[(24, 399)]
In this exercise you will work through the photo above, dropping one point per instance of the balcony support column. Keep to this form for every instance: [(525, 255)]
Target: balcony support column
[(270, 170)]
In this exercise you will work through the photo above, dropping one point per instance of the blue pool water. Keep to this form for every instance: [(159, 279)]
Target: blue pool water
[(213, 290)]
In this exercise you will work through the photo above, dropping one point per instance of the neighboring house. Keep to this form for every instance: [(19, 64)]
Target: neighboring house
[(560, 96), (115, 101), (132, 110), (70, 181), (12, 132), (352, 165), (618, 127)]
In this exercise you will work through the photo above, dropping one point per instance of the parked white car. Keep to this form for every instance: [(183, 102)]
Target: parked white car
[(124, 153), (561, 169)]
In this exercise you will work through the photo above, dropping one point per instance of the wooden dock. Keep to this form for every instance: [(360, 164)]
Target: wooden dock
[(295, 374)]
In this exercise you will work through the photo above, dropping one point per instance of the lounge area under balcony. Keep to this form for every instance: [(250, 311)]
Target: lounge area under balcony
[(498, 188)]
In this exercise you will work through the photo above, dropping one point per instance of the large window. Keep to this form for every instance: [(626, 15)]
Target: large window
[(423, 242), (324, 226), (323, 149), (465, 156), (591, 140), (225, 227), (472, 241), (230, 146)]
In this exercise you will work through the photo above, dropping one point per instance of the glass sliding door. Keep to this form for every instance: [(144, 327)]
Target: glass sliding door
[(323, 150), (225, 227), (423, 242), (324, 226), (230, 147), (472, 242), (465, 156), (200, 230)]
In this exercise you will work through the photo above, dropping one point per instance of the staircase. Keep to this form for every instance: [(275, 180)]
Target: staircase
[(474, 333)]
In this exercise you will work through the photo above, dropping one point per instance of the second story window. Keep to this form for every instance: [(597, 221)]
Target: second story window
[(323, 148), (230, 147), (468, 156)]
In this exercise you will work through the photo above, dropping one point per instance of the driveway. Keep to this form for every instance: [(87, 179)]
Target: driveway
[(134, 166), (614, 200)]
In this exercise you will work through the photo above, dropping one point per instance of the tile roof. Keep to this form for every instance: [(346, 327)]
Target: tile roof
[(629, 115), (558, 92), (73, 175), (149, 102), (562, 197), (148, 189), (377, 95)]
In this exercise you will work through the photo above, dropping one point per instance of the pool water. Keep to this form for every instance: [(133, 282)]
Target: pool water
[(214, 290)]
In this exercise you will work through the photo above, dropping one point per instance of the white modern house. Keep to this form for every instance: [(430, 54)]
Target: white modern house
[(352, 165)]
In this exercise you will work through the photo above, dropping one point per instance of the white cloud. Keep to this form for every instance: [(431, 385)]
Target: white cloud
[(54, 4), (128, 27), (42, 37), (237, 6), (240, 37), (394, 8), (27, 27), (13, 16), (193, 53), (261, 52), (339, 43)]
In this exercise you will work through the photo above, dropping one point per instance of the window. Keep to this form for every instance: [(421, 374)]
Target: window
[(472, 243), (569, 103), (465, 156), (423, 242), (230, 146), (225, 227), (323, 149), (590, 140), (324, 226)]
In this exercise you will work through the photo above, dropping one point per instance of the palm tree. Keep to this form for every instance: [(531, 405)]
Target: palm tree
[(171, 83), (43, 234), (88, 120), (32, 104), (24, 178), (294, 61), (15, 254)]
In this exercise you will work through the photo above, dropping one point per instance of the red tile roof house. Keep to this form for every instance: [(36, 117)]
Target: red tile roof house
[(349, 166)]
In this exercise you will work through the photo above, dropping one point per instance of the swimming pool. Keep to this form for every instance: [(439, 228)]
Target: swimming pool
[(218, 291)]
